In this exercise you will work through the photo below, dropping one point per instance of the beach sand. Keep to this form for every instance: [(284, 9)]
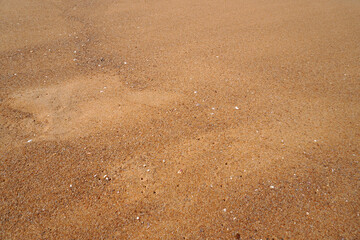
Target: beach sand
[(145, 119)]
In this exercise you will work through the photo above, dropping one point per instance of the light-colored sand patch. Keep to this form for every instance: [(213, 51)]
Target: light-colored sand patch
[(81, 106)]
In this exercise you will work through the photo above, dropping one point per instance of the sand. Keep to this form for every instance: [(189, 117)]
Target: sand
[(219, 119)]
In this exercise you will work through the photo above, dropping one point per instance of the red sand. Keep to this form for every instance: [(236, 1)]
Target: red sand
[(145, 119)]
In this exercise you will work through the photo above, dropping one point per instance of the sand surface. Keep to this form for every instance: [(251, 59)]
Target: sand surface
[(144, 119)]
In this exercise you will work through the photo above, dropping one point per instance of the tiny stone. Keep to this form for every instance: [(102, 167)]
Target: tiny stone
[(272, 187), (237, 108)]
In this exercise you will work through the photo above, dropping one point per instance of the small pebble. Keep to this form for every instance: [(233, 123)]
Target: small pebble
[(29, 140), (272, 187), (237, 108)]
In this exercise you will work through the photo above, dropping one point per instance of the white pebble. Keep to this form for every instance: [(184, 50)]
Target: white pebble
[(224, 209), (272, 187), (29, 140), (237, 108), (125, 62)]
